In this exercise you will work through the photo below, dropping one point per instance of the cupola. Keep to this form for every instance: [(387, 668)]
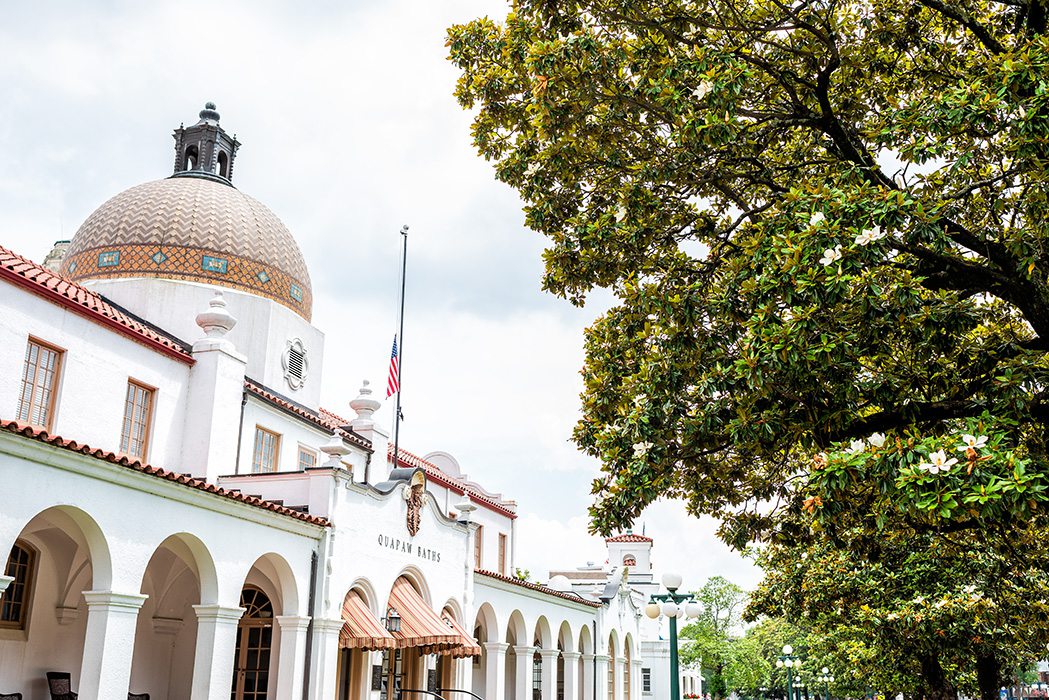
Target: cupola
[(205, 149)]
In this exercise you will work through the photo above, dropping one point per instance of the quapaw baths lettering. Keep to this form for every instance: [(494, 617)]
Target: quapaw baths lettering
[(399, 545)]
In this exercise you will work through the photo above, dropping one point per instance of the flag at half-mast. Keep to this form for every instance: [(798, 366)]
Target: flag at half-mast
[(393, 383)]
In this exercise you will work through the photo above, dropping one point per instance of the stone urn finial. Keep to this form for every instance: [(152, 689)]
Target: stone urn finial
[(216, 321), (335, 449), (365, 406)]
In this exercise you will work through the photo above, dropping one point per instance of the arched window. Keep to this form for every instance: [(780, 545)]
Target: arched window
[(223, 164), (629, 560), (15, 601), (611, 670), (254, 645), (189, 162)]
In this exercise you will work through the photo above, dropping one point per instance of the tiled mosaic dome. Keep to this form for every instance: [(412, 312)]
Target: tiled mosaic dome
[(197, 229)]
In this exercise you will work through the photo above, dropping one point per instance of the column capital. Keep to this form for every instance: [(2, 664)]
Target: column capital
[(126, 601), (571, 655), (549, 653), (292, 623), (620, 661), (326, 625), (524, 650), (588, 657), (495, 647), (5, 581), (218, 613), (602, 658)]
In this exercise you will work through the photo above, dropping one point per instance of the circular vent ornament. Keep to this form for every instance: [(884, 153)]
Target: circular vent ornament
[(295, 364)]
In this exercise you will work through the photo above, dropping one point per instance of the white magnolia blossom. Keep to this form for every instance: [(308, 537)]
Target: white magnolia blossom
[(831, 255), (620, 213), (937, 463), (532, 169), (817, 218), (641, 448), (702, 90), (972, 441), (856, 446), (869, 236), (877, 440)]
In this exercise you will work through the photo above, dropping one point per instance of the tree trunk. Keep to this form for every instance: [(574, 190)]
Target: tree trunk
[(936, 683), (988, 676)]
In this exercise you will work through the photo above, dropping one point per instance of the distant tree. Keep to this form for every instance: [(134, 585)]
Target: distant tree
[(522, 574)]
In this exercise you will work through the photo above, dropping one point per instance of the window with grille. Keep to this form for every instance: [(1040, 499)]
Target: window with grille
[(502, 554), (478, 546), (307, 458), (14, 602), (537, 676), (138, 414), (646, 680), (611, 674), (626, 675), (267, 448), (39, 384)]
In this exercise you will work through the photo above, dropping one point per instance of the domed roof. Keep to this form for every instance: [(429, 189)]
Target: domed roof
[(196, 229)]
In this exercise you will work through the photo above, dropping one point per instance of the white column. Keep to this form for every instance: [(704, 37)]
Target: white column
[(324, 674), (571, 674), (587, 678), (464, 676), (549, 673), (523, 681), (601, 671), (292, 660), (109, 644), (213, 660), (495, 670), (5, 581), (618, 677), (635, 680)]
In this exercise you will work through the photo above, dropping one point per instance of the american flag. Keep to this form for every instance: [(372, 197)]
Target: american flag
[(393, 383)]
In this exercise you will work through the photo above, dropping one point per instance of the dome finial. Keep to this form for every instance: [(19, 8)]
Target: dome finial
[(209, 112)]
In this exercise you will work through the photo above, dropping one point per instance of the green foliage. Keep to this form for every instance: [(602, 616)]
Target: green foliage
[(820, 220)]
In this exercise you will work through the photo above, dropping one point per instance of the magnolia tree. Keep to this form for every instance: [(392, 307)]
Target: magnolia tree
[(823, 222)]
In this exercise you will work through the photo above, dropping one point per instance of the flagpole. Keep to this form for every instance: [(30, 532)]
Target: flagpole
[(400, 351)]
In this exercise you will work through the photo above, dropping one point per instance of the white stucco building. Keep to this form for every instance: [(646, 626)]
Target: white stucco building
[(184, 520)]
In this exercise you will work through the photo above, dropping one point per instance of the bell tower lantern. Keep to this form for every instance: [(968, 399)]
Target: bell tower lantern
[(205, 149)]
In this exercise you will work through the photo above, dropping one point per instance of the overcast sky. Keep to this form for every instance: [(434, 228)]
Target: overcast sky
[(349, 129)]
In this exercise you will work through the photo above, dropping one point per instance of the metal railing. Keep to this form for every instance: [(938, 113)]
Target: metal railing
[(456, 690), (402, 691)]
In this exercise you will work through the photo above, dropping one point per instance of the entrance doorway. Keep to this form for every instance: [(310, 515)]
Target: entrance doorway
[(392, 674), (251, 666)]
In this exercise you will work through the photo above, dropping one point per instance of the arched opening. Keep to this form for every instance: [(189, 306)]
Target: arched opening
[(253, 653), (586, 666), (626, 669), (564, 643), (166, 632), (612, 666), (223, 164), (537, 674), (190, 158), (629, 560), (57, 554), (515, 639), (485, 630), (362, 633)]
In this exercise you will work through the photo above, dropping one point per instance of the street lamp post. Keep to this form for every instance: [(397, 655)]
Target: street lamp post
[(673, 605), (826, 679), (788, 661)]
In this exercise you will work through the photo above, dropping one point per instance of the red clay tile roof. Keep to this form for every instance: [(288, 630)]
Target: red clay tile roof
[(19, 428), (538, 587), (408, 459), (322, 419), (39, 280), (628, 537)]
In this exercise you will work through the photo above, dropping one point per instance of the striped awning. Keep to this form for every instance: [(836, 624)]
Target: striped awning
[(468, 645), (360, 628), (420, 625)]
